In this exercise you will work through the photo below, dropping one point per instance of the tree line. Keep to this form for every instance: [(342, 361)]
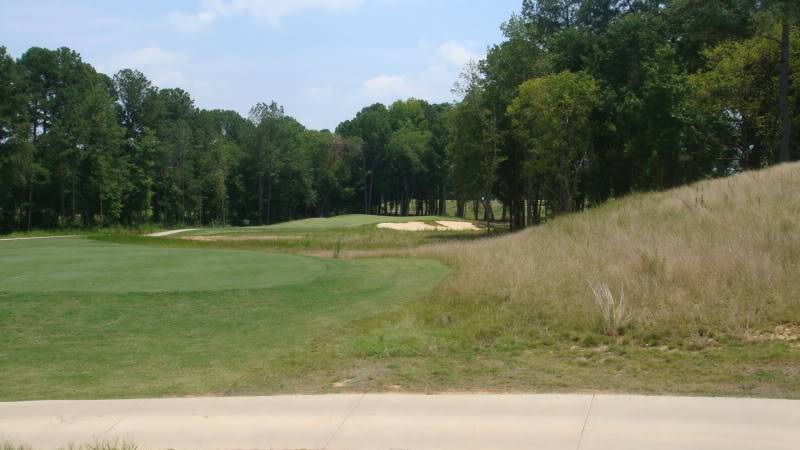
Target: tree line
[(587, 100), (583, 101), (82, 149)]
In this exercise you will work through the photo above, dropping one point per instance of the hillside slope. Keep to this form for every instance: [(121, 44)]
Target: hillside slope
[(692, 291), (719, 257)]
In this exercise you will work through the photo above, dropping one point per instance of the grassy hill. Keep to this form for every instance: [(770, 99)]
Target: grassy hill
[(715, 258), (708, 277)]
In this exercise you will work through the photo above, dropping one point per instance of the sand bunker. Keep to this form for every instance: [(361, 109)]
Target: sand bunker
[(410, 226), (442, 225), (458, 226), (241, 238)]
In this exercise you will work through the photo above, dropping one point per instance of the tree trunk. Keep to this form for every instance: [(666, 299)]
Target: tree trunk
[(784, 94), (74, 206), (443, 201), (517, 212), (62, 202), (366, 195), (269, 200), (261, 199), (460, 209), (488, 213), (369, 196), (30, 200), (404, 208)]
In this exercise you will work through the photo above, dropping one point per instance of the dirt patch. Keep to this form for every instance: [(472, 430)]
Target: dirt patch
[(786, 333), (443, 225), (241, 238)]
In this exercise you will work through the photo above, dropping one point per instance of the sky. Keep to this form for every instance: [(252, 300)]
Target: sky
[(323, 60)]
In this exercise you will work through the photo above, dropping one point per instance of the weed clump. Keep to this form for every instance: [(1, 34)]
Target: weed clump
[(614, 312)]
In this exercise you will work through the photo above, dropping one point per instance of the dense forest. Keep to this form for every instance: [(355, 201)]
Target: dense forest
[(583, 101)]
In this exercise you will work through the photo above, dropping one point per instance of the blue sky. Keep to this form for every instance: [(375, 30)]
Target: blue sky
[(322, 59)]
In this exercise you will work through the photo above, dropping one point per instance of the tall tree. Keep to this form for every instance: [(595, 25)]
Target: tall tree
[(274, 135), (372, 126), (474, 143), (132, 89), (552, 117)]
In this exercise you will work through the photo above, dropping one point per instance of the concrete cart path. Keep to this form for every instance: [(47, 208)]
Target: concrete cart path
[(357, 421), (171, 232), (35, 238)]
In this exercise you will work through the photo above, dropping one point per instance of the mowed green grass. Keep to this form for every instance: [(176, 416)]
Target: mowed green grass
[(83, 319), (81, 265), (353, 235), (329, 223)]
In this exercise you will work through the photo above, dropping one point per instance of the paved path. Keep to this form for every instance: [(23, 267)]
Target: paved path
[(549, 422), (38, 237), (171, 232)]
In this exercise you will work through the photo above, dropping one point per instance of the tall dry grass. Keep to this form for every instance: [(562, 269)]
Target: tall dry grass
[(716, 257)]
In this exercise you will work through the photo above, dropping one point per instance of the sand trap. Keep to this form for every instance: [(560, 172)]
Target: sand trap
[(458, 226), (170, 233), (443, 225), (242, 238), (410, 226)]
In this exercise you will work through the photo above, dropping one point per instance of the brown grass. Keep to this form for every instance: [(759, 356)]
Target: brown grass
[(716, 257), (96, 445)]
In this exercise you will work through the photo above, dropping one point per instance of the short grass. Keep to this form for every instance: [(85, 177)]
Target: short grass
[(711, 307), (81, 265), (353, 235), (349, 221), (78, 231), (194, 335), (449, 344)]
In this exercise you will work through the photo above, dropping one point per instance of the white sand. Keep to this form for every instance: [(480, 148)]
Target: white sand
[(442, 225), (458, 226), (410, 226), (170, 233)]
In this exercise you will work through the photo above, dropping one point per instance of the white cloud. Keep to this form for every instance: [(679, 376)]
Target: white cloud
[(267, 10), (433, 82), (164, 68), (387, 88), (150, 56), (456, 54), (319, 93)]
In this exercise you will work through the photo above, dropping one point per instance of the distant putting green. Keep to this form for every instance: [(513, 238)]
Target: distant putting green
[(350, 221), (81, 319), (81, 265)]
